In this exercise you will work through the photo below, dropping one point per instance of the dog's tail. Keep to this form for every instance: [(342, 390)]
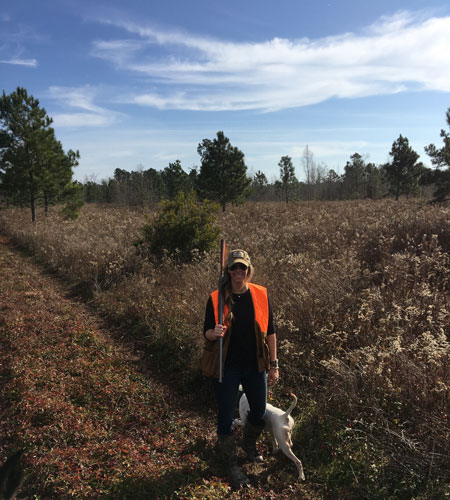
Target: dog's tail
[(294, 403)]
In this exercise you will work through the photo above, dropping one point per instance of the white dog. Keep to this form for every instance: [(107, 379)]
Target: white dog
[(280, 424)]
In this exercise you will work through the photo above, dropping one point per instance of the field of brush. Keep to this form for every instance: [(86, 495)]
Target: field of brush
[(360, 292)]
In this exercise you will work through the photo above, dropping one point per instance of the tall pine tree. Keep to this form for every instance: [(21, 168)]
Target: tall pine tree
[(441, 159), (33, 165), (223, 173), (287, 176), (403, 173)]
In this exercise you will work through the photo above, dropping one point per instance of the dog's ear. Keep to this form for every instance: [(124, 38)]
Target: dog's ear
[(240, 393)]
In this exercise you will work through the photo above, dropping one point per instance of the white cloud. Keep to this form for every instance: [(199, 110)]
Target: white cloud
[(14, 39), (81, 98), (198, 73), (20, 62), (118, 51)]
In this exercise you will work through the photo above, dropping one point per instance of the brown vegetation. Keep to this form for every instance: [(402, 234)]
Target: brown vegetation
[(360, 292), (91, 417)]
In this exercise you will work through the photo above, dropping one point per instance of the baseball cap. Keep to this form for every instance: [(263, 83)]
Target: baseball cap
[(236, 256)]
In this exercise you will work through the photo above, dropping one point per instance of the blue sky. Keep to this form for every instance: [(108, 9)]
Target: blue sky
[(143, 82)]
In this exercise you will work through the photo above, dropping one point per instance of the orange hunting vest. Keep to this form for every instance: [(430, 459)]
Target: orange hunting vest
[(260, 304), (209, 363)]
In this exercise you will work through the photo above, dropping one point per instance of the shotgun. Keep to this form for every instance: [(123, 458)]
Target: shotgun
[(223, 257)]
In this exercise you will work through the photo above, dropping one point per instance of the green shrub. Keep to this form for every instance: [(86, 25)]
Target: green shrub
[(182, 228), (73, 197)]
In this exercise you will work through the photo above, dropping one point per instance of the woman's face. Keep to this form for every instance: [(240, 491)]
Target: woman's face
[(239, 275)]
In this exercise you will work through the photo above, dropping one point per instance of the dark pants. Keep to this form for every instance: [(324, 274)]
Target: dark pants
[(255, 388)]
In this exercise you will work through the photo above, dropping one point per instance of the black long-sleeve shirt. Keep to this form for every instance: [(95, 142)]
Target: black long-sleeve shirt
[(242, 347)]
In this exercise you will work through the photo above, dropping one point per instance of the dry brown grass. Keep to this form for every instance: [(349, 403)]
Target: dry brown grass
[(361, 295)]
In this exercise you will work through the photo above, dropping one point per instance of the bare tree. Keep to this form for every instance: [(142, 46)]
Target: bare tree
[(310, 169)]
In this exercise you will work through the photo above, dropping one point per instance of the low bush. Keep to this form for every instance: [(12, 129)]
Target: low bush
[(182, 229)]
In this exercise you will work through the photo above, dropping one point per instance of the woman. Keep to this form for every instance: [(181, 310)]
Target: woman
[(249, 357)]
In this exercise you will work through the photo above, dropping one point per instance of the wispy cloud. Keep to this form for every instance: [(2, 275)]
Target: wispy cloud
[(86, 113), (20, 62), (396, 54), (13, 42)]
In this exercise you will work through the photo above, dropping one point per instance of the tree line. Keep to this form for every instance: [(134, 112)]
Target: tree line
[(223, 177), (34, 169)]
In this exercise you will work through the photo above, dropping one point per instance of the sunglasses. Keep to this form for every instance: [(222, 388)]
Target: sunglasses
[(239, 265)]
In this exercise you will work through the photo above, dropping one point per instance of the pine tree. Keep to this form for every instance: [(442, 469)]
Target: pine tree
[(441, 158), (223, 173), (33, 165), (259, 186), (175, 180), (403, 173), (287, 176)]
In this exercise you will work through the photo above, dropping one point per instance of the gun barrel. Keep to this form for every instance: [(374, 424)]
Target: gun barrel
[(223, 255)]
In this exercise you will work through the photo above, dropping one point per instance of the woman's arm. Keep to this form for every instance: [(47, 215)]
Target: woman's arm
[(272, 345)]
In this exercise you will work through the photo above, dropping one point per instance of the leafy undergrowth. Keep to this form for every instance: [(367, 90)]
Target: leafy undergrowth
[(93, 420)]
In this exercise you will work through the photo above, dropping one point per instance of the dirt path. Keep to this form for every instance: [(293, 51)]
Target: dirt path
[(92, 420)]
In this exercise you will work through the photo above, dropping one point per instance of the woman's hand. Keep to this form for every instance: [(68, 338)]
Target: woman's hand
[(219, 331), (273, 376)]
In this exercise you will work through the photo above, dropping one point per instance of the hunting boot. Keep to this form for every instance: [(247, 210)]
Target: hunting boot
[(251, 434), (226, 447)]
